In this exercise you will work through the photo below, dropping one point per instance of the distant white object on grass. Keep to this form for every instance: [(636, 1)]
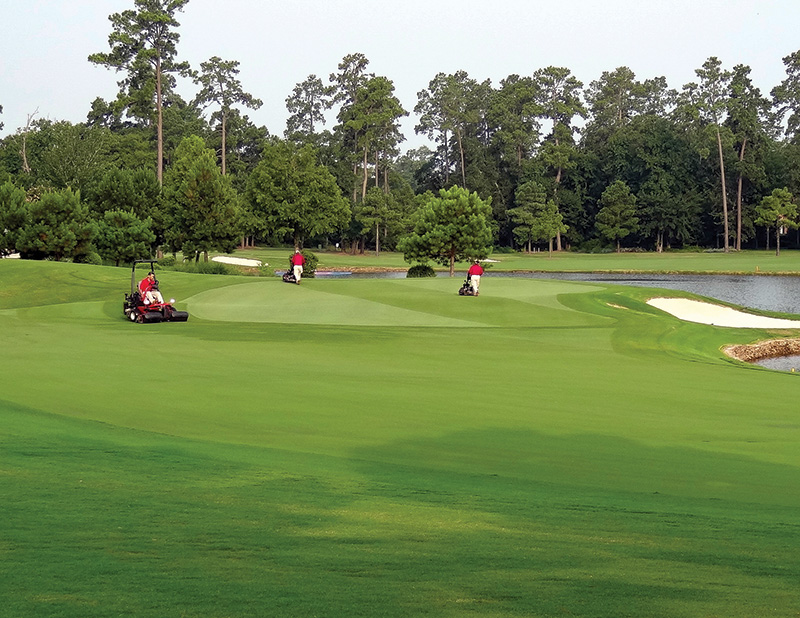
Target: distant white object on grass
[(493, 261), (10, 256), (717, 315), (237, 261)]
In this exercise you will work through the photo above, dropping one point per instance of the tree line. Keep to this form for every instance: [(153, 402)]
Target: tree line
[(620, 163)]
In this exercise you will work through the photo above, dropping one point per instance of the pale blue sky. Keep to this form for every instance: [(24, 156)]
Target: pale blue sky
[(45, 44)]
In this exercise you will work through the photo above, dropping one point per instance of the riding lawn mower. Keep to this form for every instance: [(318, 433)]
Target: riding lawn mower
[(137, 311)]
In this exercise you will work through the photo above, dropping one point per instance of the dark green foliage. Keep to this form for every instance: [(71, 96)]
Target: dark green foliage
[(132, 190), (418, 271), (202, 206), (293, 197), (778, 211), (56, 226), (310, 267), (13, 211), (89, 258), (617, 217), (219, 85), (121, 236), (451, 227)]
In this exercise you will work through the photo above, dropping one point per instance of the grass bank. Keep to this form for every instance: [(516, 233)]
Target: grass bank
[(386, 447)]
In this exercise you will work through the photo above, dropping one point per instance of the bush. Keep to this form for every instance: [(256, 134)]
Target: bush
[(310, 267), (88, 258), (167, 261), (419, 271), (594, 245)]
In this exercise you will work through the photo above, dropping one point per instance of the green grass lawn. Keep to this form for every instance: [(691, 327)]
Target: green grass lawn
[(670, 262), (386, 448)]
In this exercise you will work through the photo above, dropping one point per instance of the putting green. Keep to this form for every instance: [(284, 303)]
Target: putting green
[(391, 302)]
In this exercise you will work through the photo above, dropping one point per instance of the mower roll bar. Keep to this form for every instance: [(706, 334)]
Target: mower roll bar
[(133, 271)]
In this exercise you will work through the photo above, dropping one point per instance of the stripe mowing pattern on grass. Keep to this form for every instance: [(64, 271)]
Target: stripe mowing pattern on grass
[(386, 448)]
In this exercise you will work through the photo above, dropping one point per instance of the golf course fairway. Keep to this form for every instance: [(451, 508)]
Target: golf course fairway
[(385, 447)]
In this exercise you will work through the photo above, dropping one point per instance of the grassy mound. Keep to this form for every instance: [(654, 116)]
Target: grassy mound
[(366, 447)]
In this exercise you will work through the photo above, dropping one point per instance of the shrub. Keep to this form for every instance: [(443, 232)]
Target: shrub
[(88, 258), (310, 267), (419, 271)]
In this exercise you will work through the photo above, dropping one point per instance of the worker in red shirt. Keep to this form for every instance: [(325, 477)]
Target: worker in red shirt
[(474, 274), (297, 265), (148, 289)]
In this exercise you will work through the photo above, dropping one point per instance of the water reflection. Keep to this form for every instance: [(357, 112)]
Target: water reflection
[(766, 292), (781, 363)]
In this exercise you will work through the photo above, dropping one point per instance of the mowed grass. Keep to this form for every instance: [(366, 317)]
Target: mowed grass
[(386, 448), (744, 262)]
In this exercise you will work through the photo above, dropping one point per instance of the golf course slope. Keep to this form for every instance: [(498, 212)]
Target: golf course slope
[(387, 448)]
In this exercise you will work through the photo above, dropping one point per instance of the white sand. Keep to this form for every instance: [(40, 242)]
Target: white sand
[(717, 315), (238, 261)]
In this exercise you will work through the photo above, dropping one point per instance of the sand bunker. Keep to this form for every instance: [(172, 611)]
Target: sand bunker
[(717, 315), (237, 261)]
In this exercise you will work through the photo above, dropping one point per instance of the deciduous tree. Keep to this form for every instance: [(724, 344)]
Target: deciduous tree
[(450, 227), (203, 207), (291, 195), (778, 210), (617, 218)]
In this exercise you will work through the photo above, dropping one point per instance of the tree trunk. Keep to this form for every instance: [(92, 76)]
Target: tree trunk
[(377, 239), (452, 265), (160, 128), (555, 192), (461, 152), (366, 175), (739, 199), (223, 142), (778, 239), (446, 158), (24, 152), (726, 244)]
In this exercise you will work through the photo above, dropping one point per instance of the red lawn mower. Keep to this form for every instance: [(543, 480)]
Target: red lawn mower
[(137, 311)]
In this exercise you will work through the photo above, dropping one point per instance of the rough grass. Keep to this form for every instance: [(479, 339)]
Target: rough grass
[(386, 448)]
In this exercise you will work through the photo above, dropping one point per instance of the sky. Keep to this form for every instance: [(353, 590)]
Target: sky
[(45, 45)]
